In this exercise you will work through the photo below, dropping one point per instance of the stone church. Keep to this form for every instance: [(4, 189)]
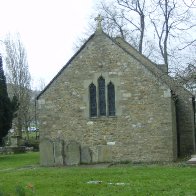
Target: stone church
[(110, 103)]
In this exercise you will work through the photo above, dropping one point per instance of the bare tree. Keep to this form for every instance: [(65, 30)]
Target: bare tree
[(113, 24), (187, 77), (41, 84), (125, 18), (19, 79), (190, 3), (160, 29), (138, 7), (168, 18)]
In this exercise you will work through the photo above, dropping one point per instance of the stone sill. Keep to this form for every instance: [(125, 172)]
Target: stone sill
[(102, 118)]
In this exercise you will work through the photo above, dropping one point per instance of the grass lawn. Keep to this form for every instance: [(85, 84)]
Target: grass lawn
[(21, 175)]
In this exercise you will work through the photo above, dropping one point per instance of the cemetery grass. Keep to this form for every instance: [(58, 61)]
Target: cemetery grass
[(22, 175)]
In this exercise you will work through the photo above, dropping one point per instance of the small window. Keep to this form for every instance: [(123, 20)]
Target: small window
[(111, 99), (93, 100), (102, 102)]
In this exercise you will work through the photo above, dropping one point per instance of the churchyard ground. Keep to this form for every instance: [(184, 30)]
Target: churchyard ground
[(22, 175)]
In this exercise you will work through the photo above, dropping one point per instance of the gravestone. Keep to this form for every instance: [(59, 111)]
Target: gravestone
[(15, 140), (72, 153), (86, 157), (58, 152), (104, 153), (46, 152)]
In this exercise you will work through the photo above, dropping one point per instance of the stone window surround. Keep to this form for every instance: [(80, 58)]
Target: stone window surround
[(86, 98), (101, 112)]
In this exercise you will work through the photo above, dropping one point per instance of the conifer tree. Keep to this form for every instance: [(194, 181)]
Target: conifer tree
[(6, 112)]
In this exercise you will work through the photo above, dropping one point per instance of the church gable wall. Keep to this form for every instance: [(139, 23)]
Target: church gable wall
[(143, 128)]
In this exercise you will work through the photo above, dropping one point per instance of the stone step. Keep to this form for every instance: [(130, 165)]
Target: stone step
[(192, 160)]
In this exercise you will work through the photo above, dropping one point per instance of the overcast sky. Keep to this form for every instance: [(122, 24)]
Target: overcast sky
[(48, 30)]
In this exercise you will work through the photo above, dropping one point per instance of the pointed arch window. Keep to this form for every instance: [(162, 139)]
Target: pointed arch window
[(101, 91), (102, 98), (93, 100), (111, 99)]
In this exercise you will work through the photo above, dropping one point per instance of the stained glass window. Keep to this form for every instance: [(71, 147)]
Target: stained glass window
[(93, 100), (111, 99), (102, 102)]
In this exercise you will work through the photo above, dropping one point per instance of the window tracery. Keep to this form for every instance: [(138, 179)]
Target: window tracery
[(102, 98)]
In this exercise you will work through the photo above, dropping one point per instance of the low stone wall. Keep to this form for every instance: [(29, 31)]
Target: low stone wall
[(12, 149)]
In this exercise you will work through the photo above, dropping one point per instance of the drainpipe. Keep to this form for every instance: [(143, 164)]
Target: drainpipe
[(36, 118), (193, 102)]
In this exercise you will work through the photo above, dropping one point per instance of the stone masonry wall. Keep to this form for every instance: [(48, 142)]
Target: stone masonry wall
[(184, 106), (185, 119), (144, 126)]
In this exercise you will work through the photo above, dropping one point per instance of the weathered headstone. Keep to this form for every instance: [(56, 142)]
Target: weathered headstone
[(58, 152), (46, 152), (104, 153), (14, 140), (72, 153), (86, 155)]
